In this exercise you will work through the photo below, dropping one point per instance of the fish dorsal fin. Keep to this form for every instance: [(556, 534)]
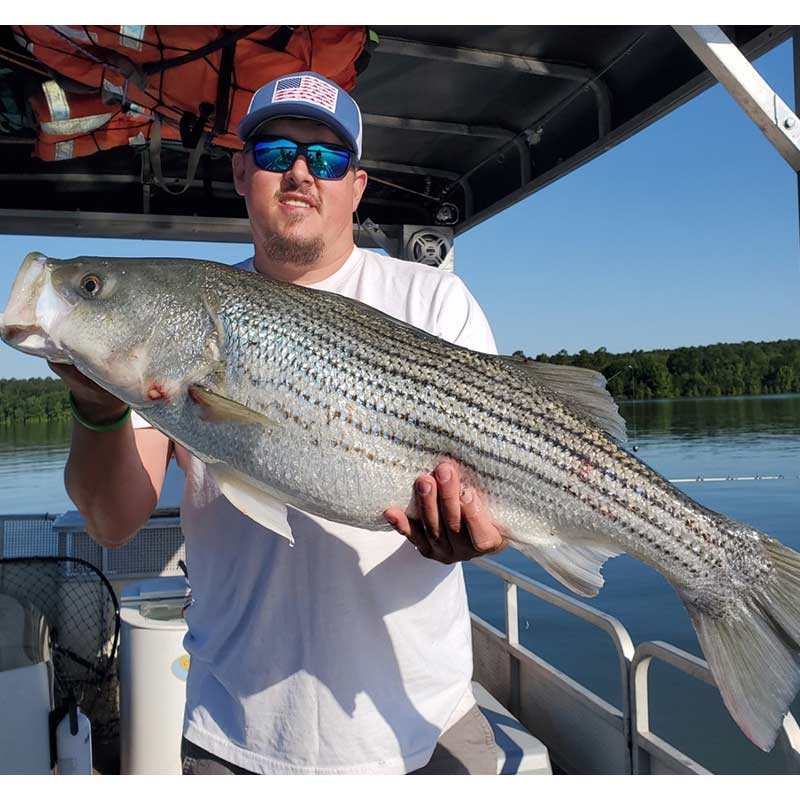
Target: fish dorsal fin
[(581, 389), (216, 408), (253, 501), (576, 564)]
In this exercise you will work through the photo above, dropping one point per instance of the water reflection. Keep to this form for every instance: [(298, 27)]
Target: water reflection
[(50, 436), (711, 417), (32, 459)]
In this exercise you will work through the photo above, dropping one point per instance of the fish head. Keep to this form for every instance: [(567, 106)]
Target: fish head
[(30, 311), (139, 328)]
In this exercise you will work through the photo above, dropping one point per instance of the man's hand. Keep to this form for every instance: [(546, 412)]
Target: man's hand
[(453, 526), (94, 403)]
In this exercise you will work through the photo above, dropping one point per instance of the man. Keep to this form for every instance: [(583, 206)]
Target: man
[(348, 653)]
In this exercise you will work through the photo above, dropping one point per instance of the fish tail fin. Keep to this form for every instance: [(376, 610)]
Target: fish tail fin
[(754, 650)]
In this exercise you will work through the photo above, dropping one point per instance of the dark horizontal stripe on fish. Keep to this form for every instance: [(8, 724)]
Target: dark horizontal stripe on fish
[(352, 376), (415, 347), (655, 502), (466, 399), (315, 335), (310, 312), (409, 348), (523, 488), (428, 427)]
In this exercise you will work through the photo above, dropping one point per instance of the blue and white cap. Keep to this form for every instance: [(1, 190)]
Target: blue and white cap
[(306, 95)]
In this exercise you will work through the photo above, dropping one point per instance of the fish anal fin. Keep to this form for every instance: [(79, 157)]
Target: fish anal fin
[(577, 564), (253, 501)]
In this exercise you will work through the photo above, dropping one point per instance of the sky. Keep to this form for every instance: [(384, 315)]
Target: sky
[(685, 234)]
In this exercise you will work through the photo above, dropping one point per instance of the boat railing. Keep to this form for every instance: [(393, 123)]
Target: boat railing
[(27, 535), (156, 550), (584, 733), (528, 685), (651, 754)]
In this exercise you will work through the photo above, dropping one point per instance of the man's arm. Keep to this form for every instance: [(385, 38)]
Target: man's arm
[(114, 477)]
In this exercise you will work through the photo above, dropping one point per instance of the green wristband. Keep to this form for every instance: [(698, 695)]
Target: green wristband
[(92, 427)]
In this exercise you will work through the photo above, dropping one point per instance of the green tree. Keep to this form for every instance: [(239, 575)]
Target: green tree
[(709, 371)]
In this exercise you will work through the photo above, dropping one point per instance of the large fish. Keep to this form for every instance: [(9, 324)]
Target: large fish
[(298, 397)]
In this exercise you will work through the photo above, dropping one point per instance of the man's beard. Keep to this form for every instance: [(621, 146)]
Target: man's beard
[(283, 249)]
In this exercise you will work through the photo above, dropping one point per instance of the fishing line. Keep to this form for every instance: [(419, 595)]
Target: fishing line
[(701, 479)]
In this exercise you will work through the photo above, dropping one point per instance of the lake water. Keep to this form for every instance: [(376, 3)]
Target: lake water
[(736, 437)]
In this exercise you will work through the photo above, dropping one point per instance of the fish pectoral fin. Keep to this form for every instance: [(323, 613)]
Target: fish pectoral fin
[(218, 409), (577, 565), (253, 501)]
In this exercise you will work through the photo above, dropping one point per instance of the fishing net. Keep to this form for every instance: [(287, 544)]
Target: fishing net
[(67, 612)]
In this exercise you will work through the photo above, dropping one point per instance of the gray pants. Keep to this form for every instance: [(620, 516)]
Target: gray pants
[(467, 748)]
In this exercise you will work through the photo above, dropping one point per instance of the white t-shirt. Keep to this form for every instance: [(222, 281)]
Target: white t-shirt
[(349, 652)]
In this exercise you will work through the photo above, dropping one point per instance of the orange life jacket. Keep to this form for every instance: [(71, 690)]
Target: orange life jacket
[(113, 83)]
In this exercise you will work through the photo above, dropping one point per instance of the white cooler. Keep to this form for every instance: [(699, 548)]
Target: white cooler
[(153, 671)]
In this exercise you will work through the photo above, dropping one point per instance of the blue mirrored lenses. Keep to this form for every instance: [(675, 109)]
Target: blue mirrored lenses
[(324, 160)]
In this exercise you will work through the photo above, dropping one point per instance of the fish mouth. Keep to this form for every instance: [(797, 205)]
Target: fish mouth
[(13, 334), (33, 340), (34, 311)]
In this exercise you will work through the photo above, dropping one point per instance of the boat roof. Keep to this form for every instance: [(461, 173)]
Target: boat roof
[(460, 122)]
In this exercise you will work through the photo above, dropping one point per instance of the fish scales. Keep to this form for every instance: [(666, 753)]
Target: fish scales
[(330, 351), (295, 396)]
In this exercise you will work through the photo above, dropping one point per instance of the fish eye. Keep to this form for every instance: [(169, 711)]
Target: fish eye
[(91, 285)]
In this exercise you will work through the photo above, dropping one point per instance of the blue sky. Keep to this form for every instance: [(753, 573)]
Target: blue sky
[(686, 234)]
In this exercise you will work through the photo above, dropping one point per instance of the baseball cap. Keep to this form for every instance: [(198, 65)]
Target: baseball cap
[(306, 95)]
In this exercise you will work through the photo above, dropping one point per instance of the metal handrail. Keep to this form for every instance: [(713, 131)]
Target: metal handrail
[(645, 739), (616, 631), (611, 625), (634, 667), (642, 737)]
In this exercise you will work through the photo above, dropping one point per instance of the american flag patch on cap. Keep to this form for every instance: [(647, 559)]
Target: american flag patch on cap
[(307, 89)]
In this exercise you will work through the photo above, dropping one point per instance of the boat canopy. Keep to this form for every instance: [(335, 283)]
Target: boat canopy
[(460, 122)]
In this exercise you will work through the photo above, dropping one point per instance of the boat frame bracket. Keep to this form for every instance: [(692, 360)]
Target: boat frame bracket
[(723, 59), (390, 245)]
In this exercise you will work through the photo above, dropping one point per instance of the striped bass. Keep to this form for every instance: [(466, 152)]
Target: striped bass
[(294, 396)]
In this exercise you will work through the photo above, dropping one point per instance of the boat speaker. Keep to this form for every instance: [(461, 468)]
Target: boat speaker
[(431, 245)]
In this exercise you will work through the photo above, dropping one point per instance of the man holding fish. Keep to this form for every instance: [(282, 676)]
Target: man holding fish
[(315, 414), (346, 653)]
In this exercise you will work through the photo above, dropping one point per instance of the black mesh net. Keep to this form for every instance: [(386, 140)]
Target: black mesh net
[(81, 614)]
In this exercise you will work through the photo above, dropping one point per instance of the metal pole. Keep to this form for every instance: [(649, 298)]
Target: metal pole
[(796, 52), (723, 60)]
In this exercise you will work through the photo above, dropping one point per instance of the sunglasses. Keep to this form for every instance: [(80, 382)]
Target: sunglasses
[(277, 154)]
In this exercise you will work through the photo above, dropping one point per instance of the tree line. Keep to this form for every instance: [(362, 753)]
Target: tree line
[(33, 400), (716, 370)]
